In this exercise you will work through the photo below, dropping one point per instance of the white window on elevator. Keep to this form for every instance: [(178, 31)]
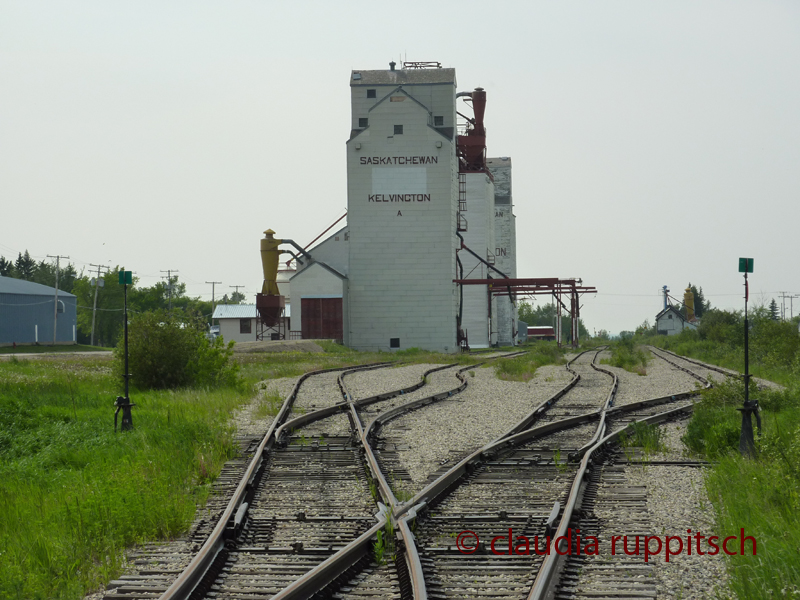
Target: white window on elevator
[(398, 130)]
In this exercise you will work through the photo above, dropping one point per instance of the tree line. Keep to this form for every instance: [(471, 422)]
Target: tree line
[(545, 315), (110, 296)]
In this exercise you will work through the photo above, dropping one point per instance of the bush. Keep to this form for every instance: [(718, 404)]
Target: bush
[(716, 424), (523, 368), (625, 354), (172, 351)]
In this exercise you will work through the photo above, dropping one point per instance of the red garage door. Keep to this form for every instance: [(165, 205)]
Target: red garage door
[(322, 318)]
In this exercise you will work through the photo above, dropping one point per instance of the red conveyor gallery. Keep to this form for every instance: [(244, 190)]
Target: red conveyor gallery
[(514, 287)]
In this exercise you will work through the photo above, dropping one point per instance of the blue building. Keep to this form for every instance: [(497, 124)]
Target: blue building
[(26, 313)]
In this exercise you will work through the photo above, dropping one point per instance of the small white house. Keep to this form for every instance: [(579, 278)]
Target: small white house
[(237, 322), (671, 322)]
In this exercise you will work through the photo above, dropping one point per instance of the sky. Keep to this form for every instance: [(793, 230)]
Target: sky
[(653, 143)]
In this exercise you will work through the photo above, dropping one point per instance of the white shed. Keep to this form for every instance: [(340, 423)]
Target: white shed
[(671, 322), (237, 322)]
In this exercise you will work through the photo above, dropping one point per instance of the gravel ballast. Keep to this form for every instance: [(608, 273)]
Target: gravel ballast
[(363, 384), (488, 408)]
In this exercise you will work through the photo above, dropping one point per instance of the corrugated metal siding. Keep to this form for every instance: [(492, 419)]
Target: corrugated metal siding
[(241, 311), (235, 311), (20, 314)]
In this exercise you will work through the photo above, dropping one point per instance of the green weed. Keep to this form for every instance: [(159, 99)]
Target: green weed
[(561, 467), (760, 495), (523, 368), (384, 549), (269, 405), (642, 435), (626, 355), (74, 495)]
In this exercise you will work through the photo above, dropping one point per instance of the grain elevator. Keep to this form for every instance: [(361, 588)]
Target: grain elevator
[(422, 211)]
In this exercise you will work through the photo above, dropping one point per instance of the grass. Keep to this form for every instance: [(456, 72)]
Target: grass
[(384, 548), (627, 355), (644, 436), (729, 356), (269, 405), (74, 495), (45, 349), (760, 495), (523, 368)]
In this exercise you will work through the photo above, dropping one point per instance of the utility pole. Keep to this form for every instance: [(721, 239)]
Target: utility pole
[(791, 306), (96, 287), (169, 273), (55, 303), (213, 304), (780, 295), (783, 297)]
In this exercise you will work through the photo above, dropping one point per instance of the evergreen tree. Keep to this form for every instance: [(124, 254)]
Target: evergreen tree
[(25, 267), (774, 313), (6, 267), (235, 298), (701, 305)]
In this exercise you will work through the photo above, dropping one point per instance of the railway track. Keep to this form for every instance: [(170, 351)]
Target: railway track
[(506, 487), (691, 366), (614, 502), (318, 494), (314, 521), (238, 487)]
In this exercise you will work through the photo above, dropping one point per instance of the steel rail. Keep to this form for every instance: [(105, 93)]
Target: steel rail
[(328, 570), (726, 372), (323, 413), (544, 406), (436, 488), (544, 578), (391, 414), (432, 491), (322, 575), (601, 427), (192, 575), (343, 374), (375, 470), (361, 402), (413, 562), (542, 585)]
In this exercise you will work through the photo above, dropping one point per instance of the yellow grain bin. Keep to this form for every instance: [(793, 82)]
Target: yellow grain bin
[(688, 301)]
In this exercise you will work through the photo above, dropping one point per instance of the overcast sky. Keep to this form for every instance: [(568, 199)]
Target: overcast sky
[(653, 143)]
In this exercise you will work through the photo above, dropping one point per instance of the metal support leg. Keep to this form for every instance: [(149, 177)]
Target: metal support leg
[(747, 446)]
